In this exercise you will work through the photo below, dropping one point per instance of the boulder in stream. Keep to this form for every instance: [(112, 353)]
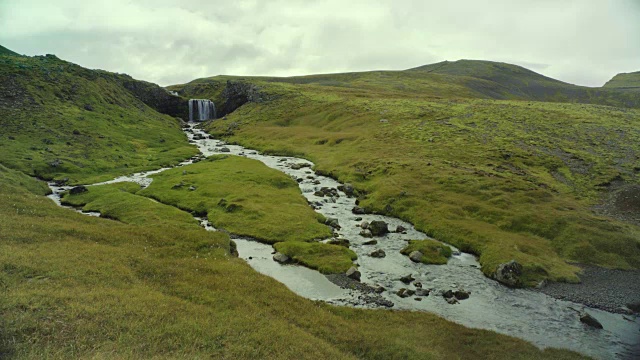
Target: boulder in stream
[(400, 229), (590, 320), (370, 242), (378, 254), (509, 273), (353, 273), (366, 233), (333, 222), (358, 210), (378, 228), (281, 258), (225, 149), (407, 279)]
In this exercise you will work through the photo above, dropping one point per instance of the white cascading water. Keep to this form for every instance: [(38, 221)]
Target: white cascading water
[(203, 109)]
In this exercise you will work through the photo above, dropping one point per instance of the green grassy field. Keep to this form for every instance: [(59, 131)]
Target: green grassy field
[(504, 179), (60, 120), (152, 284), (242, 196)]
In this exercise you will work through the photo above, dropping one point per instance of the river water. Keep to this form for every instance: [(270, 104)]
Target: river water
[(526, 314)]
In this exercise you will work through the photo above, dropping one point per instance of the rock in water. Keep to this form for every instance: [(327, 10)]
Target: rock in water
[(407, 279), (509, 273), (281, 258), (333, 222), (357, 210), (365, 233), (378, 228), (378, 254), (422, 292), (370, 242), (78, 190), (400, 229), (353, 273), (461, 294), (416, 256), (590, 320)]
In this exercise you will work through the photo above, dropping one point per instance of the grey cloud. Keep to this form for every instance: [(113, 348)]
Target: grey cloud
[(170, 41)]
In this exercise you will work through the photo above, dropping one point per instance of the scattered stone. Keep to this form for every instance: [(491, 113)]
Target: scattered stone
[(378, 254), (422, 292), (635, 307), (448, 294), (298, 166), (370, 242), (281, 258), (347, 189), (590, 320), (405, 293), (333, 222), (192, 188), (358, 210), (225, 149), (78, 190), (178, 186), (417, 284), (452, 301), (353, 273), (509, 273), (400, 229), (416, 256), (461, 294), (366, 233), (417, 299), (407, 279), (384, 121), (379, 290), (358, 219), (364, 225)]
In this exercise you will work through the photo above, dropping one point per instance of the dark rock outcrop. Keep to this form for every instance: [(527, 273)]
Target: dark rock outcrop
[(509, 273)]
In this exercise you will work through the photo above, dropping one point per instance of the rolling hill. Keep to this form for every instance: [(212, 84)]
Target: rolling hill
[(492, 158)]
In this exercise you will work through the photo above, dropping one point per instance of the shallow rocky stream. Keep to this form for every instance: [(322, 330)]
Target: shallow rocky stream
[(522, 313)]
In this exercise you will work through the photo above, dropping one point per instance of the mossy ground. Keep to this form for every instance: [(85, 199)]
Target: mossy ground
[(502, 179), (326, 258), (242, 196), (433, 252), (60, 120), (82, 287)]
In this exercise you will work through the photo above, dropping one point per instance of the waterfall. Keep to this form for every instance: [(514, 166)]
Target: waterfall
[(201, 110)]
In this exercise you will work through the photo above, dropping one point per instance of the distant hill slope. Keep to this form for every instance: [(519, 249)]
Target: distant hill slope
[(5, 51), (516, 82), (60, 120), (459, 79), (625, 82)]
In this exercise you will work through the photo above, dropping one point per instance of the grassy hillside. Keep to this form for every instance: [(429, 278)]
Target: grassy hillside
[(60, 120), (625, 82), (502, 179), (515, 82), (152, 284), (5, 51)]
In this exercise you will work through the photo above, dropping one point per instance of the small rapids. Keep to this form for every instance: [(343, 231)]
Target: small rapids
[(526, 314)]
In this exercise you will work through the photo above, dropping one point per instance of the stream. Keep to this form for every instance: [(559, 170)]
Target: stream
[(522, 313)]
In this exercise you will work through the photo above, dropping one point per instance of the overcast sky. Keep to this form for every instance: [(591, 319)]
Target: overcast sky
[(583, 42)]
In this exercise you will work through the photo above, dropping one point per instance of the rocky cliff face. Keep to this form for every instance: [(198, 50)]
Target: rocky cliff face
[(157, 98), (238, 93)]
